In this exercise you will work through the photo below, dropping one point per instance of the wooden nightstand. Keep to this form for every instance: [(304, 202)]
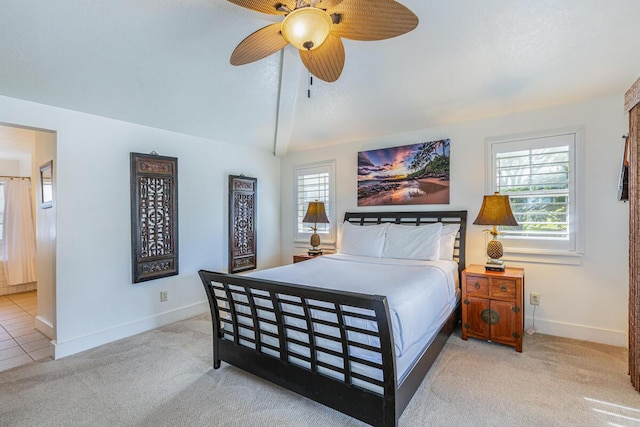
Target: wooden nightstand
[(303, 257), (492, 305)]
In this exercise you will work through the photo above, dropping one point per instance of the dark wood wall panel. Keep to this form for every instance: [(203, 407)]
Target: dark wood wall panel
[(632, 105), (154, 216), (634, 248), (242, 223)]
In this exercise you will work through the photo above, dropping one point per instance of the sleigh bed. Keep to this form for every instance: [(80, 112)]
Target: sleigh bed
[(355, 332)]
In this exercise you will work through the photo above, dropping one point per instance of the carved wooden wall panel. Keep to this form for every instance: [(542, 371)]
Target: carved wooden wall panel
[(634, 247), (242, 223), (632, 105), (154, 216)]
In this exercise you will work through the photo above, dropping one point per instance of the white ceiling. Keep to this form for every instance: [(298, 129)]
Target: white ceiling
[(165, 63)]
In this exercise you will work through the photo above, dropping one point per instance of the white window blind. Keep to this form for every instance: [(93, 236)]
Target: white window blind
[(539, 173), (314, 183), (537, 183)]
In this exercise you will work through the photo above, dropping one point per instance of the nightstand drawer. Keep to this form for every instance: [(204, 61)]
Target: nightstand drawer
[(503, 288), (477, 285)]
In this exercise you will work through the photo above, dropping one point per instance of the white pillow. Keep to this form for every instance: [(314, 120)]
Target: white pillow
[(363, 240), (448, 240), (413, 242)]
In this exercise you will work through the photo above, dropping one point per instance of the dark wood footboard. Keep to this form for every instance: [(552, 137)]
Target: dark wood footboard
[(271, 329), (307, 340)]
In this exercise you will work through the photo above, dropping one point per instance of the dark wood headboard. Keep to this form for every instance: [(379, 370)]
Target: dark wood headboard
[(418, 218)]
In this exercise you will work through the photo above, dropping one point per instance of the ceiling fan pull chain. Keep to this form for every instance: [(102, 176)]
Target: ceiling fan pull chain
[(310, 76)]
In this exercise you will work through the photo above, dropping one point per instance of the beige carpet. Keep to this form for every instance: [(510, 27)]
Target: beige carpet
[(164, 378)]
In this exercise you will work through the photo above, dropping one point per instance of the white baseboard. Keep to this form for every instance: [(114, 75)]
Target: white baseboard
[(46, 327), (86, 342), (76, 345), (579, 332)]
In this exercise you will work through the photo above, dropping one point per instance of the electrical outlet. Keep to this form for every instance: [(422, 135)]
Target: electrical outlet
[(164, 296), (534, 298)]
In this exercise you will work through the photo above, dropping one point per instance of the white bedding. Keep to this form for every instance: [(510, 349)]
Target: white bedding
[(420, 294)]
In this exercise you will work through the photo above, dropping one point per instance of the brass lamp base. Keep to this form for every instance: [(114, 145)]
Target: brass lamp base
[(494, 252), (315, 242), (494, 249)]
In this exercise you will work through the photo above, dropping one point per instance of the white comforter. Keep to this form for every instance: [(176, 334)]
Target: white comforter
[(418, 292)]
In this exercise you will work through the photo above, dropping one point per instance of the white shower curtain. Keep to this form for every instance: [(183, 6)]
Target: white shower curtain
[(19, 235)]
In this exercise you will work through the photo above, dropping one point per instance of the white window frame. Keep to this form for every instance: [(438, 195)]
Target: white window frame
[(574, 246), (328, 235)]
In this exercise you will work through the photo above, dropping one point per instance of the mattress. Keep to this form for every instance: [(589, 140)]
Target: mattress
[(421, 295)]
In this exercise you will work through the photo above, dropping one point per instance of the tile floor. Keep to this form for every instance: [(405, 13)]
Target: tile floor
[(20, 343)]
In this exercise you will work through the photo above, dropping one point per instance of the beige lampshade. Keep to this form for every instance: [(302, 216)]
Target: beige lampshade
[(306, 28), (316, 213), (495, 210)]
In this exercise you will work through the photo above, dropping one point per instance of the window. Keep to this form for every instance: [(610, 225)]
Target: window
[(540, 174), (315, 182)]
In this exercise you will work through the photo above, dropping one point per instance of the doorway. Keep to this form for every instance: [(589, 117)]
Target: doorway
[(27, 310)]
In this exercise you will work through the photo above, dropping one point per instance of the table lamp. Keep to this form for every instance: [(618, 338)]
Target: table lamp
[(315, 214), (495, 211)]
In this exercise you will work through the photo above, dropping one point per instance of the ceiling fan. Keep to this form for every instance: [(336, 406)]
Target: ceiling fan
[(315, 28)]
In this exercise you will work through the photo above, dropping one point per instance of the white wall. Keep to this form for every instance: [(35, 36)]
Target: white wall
[(585, 301), (10, 167), (95, 299), (45, 151)]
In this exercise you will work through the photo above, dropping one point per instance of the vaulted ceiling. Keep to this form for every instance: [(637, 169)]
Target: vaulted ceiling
[(165, 63)]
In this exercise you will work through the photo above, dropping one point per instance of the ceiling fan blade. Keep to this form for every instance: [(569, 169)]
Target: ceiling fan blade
[(262, 43), (372, 20), (327, 61), (325, 4), (265, 6)]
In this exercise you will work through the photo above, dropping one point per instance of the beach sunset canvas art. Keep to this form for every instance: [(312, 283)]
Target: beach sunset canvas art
[(416, 174)]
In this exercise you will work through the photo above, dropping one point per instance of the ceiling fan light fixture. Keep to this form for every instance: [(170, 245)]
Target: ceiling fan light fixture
[(316, 28), (307, 28)]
